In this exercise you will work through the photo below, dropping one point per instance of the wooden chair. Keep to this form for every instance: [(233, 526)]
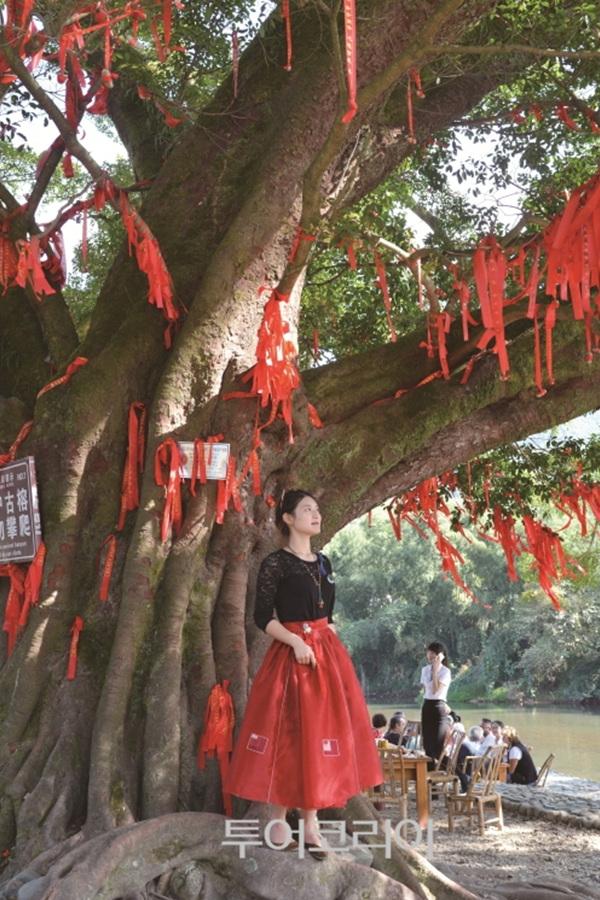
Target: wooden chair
[(445, 778), (544, 771), (480, 793), (414, 734), (392, 790)]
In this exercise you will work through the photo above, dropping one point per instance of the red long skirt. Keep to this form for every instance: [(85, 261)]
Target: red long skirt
[(306, 738)]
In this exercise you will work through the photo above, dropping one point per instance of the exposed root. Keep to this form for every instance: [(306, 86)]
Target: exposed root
[(120, 863)]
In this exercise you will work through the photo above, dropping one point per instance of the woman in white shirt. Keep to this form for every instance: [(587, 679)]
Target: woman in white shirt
[(435, 679)]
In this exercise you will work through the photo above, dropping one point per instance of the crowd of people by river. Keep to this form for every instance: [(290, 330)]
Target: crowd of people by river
[(441, 729)]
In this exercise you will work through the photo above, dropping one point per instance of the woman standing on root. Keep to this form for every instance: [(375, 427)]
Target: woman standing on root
[(435, 679), (305, 741)]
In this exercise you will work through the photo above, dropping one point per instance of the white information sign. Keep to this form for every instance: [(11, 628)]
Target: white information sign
[(216, 457), (20, 529)]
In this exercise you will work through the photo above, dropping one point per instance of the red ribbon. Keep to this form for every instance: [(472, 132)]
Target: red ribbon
[(199, 460), (275, 376), (351, 56), (314, 417), (71, 369), (134, 461), (227, 490), (33, 583), (168, 454), (537, 355), (108, 565), (23, 433), (76, 629), (382, 283), (16, 592), (285, 15), (413, 76), (217, 735), (490, 269)]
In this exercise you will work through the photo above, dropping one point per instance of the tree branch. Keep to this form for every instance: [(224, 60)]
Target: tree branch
[(497, 49), (47, 104)]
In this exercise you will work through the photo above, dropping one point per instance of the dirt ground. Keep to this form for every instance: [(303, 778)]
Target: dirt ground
[(526, 850)]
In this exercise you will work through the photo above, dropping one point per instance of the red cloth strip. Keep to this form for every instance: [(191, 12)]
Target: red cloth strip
[(12, 453), (71, 369), (33, 583), (109, 562), (134, 460), (76, 629), (217, 734), (168, 454), (14, 603), (351, 58), (382, 283), (285, 15)]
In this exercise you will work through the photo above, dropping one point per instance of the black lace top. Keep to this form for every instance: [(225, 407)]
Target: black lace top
[(290, 587)]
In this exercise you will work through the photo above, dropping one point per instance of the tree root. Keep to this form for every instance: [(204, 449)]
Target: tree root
[(120, 863)]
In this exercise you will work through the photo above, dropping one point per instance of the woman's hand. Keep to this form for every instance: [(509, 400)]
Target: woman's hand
[(304, 654)]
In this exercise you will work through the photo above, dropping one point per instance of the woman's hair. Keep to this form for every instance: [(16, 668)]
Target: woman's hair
[(438, 647), (288, 503), (475, 733), (510, 734), (379, 720)]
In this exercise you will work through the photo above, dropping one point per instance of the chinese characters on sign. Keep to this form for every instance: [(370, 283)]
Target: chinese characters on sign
[(20, 530), (216, 457)]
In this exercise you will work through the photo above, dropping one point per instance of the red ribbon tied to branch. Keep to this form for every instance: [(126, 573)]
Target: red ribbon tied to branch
[(351, 57), (217, 736), (134, 461), (490, 270), (71, 369)]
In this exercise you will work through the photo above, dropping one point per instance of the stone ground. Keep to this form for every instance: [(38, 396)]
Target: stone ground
[(550, 834)]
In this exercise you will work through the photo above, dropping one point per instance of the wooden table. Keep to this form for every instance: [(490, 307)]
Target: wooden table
[(415, 769)]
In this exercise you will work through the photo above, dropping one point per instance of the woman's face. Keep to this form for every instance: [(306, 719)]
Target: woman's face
[(496, 731), (306, 518), (431, 655)]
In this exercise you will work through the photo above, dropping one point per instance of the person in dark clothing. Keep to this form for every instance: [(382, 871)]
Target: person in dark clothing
[(521, 768), (435, 680), (396, 731)]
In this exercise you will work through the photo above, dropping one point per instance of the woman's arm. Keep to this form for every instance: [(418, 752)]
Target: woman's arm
[(514, 755), (302, 652)]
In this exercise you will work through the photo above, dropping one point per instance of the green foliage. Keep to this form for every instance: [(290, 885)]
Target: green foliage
[(106, 236), (392, 601)]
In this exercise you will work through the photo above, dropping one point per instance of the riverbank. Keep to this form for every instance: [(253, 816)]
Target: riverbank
[(551, 837)]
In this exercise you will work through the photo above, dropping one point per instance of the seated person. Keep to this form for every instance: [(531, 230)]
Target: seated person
[(473, 744), (521, 768), (378, 722), (453, 734), (395, 734), (494, 737)]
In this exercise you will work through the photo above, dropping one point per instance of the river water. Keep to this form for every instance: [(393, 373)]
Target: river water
[(573, 734)]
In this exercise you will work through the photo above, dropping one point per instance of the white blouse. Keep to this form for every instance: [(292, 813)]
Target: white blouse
[(444, 678)]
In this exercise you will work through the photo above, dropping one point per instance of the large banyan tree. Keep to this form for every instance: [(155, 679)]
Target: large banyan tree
[(243, 176)]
